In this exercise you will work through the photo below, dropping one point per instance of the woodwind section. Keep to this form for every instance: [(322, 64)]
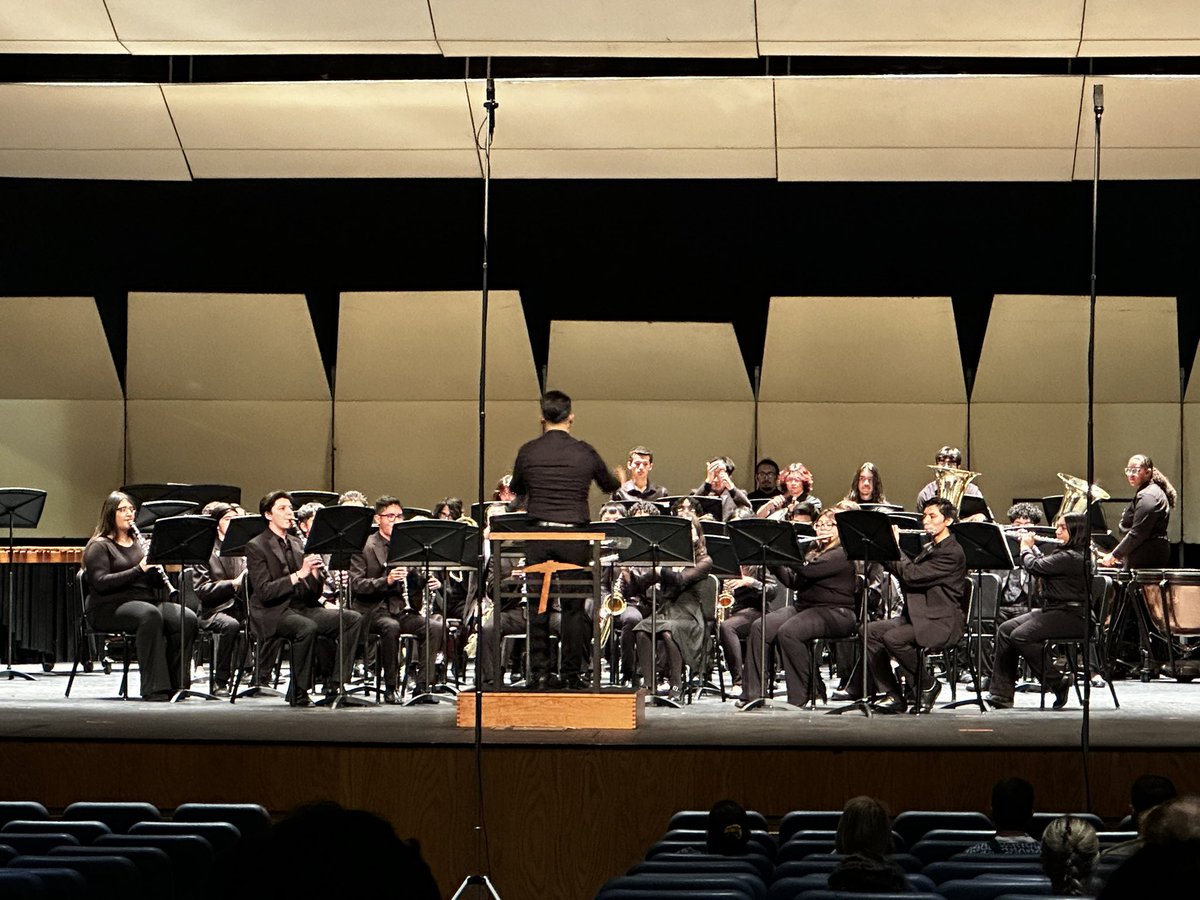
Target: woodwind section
[(1026, 429), (848, 379), (60, 402), (679, 388)]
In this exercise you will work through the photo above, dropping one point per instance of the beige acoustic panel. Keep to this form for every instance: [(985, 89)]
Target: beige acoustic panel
[(1150, 128), (187, 27), (597, 28), (682, 434), (424, 450), (927, 128), (834, 439), (633, 128), (1161, 28), (438, 357), (257, 445), (897, 362), (1189, 474), (56, 26), (327, 129), (1016, 28), (71, 449), (88, 131), (54, 347), (682, 361), (223, 347), (1035, 350)]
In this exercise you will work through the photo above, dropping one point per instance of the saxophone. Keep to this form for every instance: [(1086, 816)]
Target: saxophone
[(724, 604), (610, 607)]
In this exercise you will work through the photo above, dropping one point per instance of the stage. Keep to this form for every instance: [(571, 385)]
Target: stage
[(594, 799)]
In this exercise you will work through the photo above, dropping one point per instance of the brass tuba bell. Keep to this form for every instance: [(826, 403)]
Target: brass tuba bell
[(952, 483), (1075, 495)]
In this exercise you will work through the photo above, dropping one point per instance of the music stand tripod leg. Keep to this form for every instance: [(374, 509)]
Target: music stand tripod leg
[(185, 658), (10, 596), (427, 695)]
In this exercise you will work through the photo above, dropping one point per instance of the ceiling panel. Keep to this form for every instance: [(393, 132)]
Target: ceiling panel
[(87, 131), (56, 26), (411, 129), (1121, 28), (1150, 128), (596, 28), (633, 128), (188, 27), (927, 128), (919, 27)]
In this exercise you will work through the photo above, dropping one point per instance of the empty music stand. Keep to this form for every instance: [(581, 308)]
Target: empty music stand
[(19, 508), (986, 548), (340, 532), (241, 531), (765, 542), (657, 541), (325, 498), (427, 542), (865, 536), (182, 541)]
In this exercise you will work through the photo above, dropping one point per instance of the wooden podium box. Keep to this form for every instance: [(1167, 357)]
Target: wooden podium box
[(617, 710)]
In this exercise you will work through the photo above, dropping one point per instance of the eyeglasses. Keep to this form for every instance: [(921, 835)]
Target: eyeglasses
[(1133, 470), (391, 517), (125, 507)]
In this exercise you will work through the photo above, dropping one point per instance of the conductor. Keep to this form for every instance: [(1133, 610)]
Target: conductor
[(554, 472)]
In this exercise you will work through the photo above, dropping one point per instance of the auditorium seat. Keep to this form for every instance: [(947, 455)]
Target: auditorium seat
[(789, 887), (730, 865), (941, 872), (936, 851), (759, 863), (153, 865), (990, 889), (913, 824), (750, 887), (38, 844), (799, 849), (221, 835), (826, 834), (86, 832), (846, 895), (1042, 819), (827, 862), (250, 819), (11, 810), (119, 817), (971, 835), (61, 884), (20, 884), (668, 894), (107, 877), (698, 819), (7, 852), (808, 820), (190, 854)]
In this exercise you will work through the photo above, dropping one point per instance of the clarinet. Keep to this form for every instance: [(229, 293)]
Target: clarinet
[(144, 543)]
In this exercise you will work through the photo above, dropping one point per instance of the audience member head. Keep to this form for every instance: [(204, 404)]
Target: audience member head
[(1012, 804), (1147, 792), (728, 828), (1155, 870), (1070, 850), (1174, 821), (864, 827), (1024, 514)]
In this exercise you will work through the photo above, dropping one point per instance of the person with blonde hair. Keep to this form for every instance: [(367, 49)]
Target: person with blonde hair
[(1070, 852)]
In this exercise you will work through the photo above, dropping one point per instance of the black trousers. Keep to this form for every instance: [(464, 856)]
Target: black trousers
[(734, 630), (512, 621), (576, 625), (793, 637), (1023, 637), (159, 637), (225, 629), (302, 625)]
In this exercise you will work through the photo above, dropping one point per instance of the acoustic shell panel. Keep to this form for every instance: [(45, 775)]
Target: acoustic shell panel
[(1162, 28), (54, 347), (927, 128), (596, 28), (633, 128), (88, 131), (223, 347), (1150, 128), (863, 350), (329, 129), (56, 26), (425, 346), (184, 27)]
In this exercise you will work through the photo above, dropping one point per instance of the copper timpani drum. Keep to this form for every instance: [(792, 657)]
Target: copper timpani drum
[(1171, 600)]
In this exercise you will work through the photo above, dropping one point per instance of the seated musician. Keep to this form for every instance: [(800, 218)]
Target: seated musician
[(353, 498), (1144, 522), (678, 621), (220, 587), (952, 458), (766, 480), (635, 482), (126, 593), (934, 585), (304, 517), (390, 600), (797, 488), (635, 588), (1016, 591), (718, 482), (285, 597), (448, 509), (823, 607), (511, 618), (867, 485), (744, 611), (1064, 578)]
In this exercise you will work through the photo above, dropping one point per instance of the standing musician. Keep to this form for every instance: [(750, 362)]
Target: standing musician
[(934, 585), (554, 473), (867, 485), (766, 480), (220, 587), (797, 488), (637, 485), (125, 593), (718, 482), (391, 601), (952, 458), (745, 610), (1064, 578), (823, 607), (1144, 522), (285, 597)]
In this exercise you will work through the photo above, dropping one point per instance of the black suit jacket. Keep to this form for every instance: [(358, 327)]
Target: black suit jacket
[(369, 584), (271, 588), (934, 589), (214, 584)]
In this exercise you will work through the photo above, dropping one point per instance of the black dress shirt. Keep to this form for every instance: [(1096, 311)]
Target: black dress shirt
[(628, 492), (555, 472), (1144, 524)]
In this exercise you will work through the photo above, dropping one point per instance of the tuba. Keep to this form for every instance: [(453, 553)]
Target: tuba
[(952, 483), (1075, 495), (612, 605)]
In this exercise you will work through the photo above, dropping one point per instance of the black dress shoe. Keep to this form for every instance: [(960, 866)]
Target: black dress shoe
[(575, 683), (1062, 691), (221, 690), (301, 698), (998, 702), (553, 682), (929, 697), (890, 705), (390, 697)]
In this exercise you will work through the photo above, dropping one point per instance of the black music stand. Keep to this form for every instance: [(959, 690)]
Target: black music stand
[(656, 540), (865, 536), (985, 546), (427, 542), (417, 512), (339, 532), (19, 508), (151, 511), (766, 542), (183, 541), (241, 531), (325, 498)]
